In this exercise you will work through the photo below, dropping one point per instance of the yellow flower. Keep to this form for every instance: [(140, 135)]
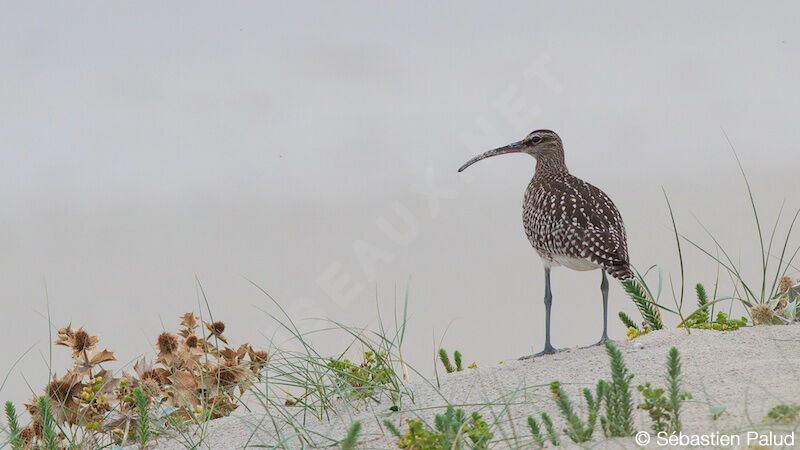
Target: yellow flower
[(632, 333)]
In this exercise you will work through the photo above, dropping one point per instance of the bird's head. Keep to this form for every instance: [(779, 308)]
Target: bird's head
[(544, 145)]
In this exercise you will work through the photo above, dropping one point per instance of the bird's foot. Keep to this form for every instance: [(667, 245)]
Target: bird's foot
[(548, 350), (600, 342)]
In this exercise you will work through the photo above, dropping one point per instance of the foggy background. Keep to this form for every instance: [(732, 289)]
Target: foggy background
[(312, 148)]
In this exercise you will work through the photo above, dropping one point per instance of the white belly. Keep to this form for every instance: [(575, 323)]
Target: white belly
[(569, 262)]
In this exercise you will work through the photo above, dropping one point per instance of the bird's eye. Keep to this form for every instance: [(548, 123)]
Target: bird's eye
[(536, 139)]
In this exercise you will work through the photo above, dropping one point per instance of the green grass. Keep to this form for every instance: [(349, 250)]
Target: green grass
[(771, 266)]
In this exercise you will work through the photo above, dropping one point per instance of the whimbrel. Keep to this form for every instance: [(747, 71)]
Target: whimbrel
[(568, 221)]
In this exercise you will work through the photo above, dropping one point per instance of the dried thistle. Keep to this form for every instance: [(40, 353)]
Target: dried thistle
[(257, 356), (90, 360), (761, 313), (36, 427), (216, 329), (189, 323), (144, 371), (192, 342), (62, 389), (27, 435), (78, 340), (167, 343), (785, 284), (234, 356)]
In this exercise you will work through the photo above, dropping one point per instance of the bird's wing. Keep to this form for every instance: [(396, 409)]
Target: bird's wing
[(594, 225)]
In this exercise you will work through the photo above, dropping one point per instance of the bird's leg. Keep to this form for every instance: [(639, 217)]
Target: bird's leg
[(548, 302), (604, 290)]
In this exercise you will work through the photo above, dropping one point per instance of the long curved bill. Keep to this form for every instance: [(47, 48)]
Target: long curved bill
[(515, 147)]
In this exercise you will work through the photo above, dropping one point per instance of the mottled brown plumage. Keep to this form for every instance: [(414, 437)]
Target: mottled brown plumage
[(568, 221)]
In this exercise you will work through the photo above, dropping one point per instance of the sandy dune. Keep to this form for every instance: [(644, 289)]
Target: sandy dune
[(747, 371)]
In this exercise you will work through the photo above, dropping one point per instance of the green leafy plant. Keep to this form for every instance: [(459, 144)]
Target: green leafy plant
[(676, 396), (350, 440), (143, 421), (702, 317), (452, 429), (14, 429), (642, 297), (627, 321), (445, 359), (535, 431), (664, 410), (448, 366), (702, 296), (578, 430), (618, 420), (656, 406), (49, 436), (551, 430), (782, 413), (701, 320), (361, 380)]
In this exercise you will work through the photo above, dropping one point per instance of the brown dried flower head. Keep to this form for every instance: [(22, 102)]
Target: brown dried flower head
[(167, 343), (152, 375), (257, 356), (216, 329), (192, 341), (785, 284), (151, 387), (145, 371), (37, 426), (82, 341), (228, 375), (60, 390), (78, 340), (189, 321), (761, 313), (27, 435)]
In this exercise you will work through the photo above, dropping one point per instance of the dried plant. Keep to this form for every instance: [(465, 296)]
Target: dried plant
[(195, 376)]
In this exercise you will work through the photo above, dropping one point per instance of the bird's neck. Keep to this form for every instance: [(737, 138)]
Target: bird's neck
[(549, 167)]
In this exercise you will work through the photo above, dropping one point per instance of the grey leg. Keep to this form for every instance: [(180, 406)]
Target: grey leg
[(604, 290), (548, 302)]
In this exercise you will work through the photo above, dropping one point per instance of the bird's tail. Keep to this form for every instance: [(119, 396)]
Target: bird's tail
[(621, 272)]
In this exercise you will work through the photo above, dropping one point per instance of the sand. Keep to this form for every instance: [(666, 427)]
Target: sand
[(747, 371)]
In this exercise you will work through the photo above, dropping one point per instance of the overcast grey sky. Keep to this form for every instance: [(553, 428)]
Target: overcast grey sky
[(299, 144)]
